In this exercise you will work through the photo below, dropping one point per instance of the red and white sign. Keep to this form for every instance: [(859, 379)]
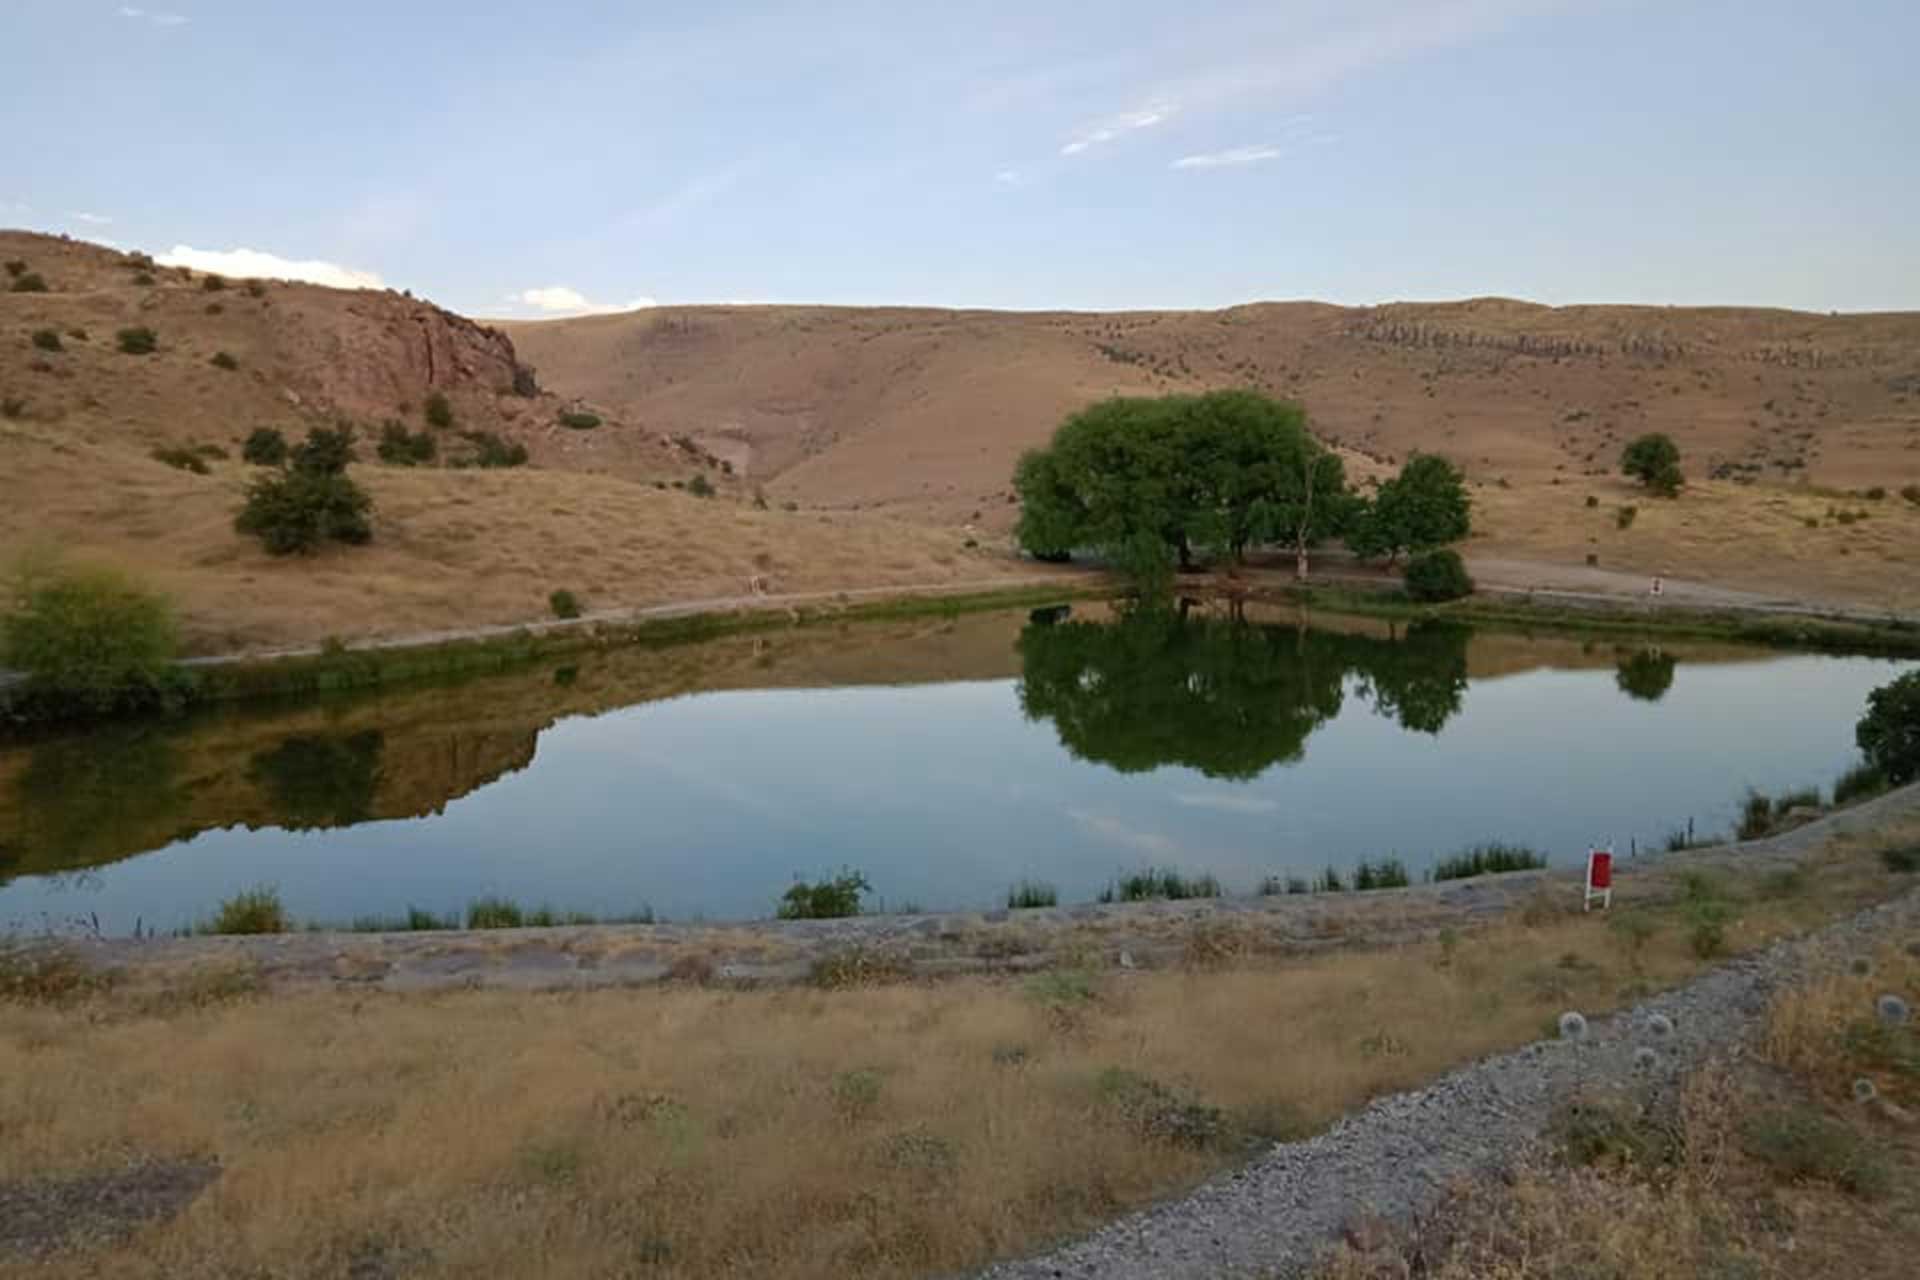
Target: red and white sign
[(1599, 878)]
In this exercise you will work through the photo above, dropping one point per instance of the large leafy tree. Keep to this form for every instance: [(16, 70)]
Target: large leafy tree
[(1654, 460), (1425, 506), (1889, 733)]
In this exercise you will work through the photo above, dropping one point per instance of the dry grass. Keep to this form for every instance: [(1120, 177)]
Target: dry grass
[(889, 1129), (1771, 1175)]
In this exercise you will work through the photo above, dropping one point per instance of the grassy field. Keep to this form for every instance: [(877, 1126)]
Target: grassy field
[(871, 1129)]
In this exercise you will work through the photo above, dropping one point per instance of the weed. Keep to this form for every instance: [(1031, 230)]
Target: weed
[(1613, 1131), (1388, 873), (856, 1092), (257, 910), (1492, 858), (1154, 884), (1032, 893), (1158, 1112), (494, 913)]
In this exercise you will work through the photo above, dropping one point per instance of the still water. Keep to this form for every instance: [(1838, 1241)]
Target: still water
[(944, 758)]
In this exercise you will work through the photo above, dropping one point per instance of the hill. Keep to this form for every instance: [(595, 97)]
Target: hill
[(921, 413), (597, 512)]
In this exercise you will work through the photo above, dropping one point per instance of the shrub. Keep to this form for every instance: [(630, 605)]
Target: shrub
[(221, 360), (47, 339), (1388, 873), (579, 420), (1625, 516), (88, 637), (46, 973), (1860, 782), (1433, 576), (325, 451), (1911, 493), (140, 341), (1756, 816), (1878, 493), (30, 282), (16, 268), (564, 604), (1903, 859), (1032, 893), (1801, 1145), (12, 407), (439, 411), (1889, 733), (1154, 883), (181, 459), (1593, 500), (490, 450), (1654, 460), (700, 486), (829, 899), (313, 501), (494, 913), (143, 279), (1493, 858), (265, 447), (402, 448), (252, 911), (213, 283)]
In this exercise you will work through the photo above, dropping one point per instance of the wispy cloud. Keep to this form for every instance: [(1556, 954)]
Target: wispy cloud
[(1226, 802), (254, 262), (1232, 158), (1112, 128), (159, 18), (559, 300), (1113, 830), (93, 219), (696, 192), (1007, 178)]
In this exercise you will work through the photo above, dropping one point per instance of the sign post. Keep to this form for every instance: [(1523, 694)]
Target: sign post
[(1599, 879)]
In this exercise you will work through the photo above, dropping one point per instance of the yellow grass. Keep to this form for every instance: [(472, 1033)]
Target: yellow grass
[(890, 1130)]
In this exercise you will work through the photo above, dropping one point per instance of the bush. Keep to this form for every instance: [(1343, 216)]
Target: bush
[(265, 447), (47, 339), (1154, 883), (181, 459), (1904, 859), (1889, 733), (700, 486), (313, 501), (254, 911), (1801, 1145), (490, 450), (826, 900), (1433, 576), (30, 282), (16, 268), (579, 420), (88, 637), (325, 451), (1911, 493), (439, 411), (1388, 873), (140, 341), (12, 407), (143, 279), (1878, 493), (213, 284), (1861, 782), (494, 913), (1032, 893), (402, 448), (564, 604), (1625, 516), (1654, 460), (1488, 859), (221, 360), (1756, 816)]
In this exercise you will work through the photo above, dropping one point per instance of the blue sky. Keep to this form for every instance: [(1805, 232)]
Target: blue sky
[(532, 159)]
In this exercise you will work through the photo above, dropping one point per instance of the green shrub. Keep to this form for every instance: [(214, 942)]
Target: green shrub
[(1032, 893), (221, 360), (313, 501), (439, 411), (402, 448), (1654, 460), (1861, 782), (30, 282), (1329, 881), (494, 913), (1889, 733), (265, 447), (47, 339), (700, 486), (140, 341), (579, 420), (1433, 576), (181, 459), (1388, 873), (1492, 858), (490, 450), (213, 283), (829, 899), (253, 911), (88, 637), (1801, 1145), (564, 604), (1154, 884), (1625, 516), (1903, 859)]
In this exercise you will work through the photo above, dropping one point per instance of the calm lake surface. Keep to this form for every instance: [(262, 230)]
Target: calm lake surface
[(944, 758)]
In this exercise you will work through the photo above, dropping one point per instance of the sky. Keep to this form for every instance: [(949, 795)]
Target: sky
[(528, 160)]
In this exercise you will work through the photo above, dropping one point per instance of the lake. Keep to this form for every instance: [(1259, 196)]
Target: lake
[(944, 758)]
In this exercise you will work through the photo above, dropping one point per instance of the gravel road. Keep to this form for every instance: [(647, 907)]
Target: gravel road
[(1394, 1159)]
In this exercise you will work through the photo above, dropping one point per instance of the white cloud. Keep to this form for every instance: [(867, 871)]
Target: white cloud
[(1231, 158), (253, 262), (1113, 127), (162, 19), (169, 20), (559, 300), (93, 219), (1008, 177), (1226, 802)]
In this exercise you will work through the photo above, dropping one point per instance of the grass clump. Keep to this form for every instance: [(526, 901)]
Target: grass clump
[(1492, 858), (250, 911), (1028, 894), (495, 913), (138, 341), (1799, 1144), (1862, 782), (1155, 883), (1388, 873), (564, 603), (48, 340), (579, 420), (221, 360), (826, 899), (180, 459), (46, 973), (1160, 1112)]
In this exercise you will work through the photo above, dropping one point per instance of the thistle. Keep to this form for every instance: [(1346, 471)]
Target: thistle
[(1573, 1026)]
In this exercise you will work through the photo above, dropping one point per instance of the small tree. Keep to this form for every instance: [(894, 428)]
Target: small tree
[(87, 637), (311, 502), (439, 411), (1433, 576), (1654, 460), (1889, 733), (265, 447), (1425, 506), (700, 486)]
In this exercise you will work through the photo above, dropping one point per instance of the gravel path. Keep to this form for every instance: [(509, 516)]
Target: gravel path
[(1395, 1158)]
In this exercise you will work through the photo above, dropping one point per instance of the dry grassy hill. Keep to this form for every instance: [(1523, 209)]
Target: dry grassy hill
[(921, 413), (595, 513)]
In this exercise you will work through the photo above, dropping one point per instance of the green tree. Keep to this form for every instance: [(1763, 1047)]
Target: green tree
[(265, 447), (1654, 460), (1645, 674), (313, 501), (321, 780), (1889, 733), (1425, 506), (88, 638), (1437, 575)]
